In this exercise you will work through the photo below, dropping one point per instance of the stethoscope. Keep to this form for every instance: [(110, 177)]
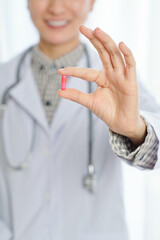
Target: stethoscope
[(89, 180)]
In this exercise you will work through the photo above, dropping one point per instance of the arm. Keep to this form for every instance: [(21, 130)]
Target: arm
[(116, 99), (145, 155)]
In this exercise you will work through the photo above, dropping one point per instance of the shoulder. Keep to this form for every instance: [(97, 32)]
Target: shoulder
[(6, 68), (8, 71)]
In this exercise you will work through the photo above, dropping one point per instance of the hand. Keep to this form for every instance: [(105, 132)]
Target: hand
[(115, 100)]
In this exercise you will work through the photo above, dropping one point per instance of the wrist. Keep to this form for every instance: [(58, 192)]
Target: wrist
[(140, 133)]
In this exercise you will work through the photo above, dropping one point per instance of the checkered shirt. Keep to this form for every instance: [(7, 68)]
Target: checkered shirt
[(143, 156), (47, 79)]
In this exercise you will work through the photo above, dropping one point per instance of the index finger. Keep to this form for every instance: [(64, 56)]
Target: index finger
[(88, 74)]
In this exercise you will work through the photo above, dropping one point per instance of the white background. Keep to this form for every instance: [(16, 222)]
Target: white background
[(137, 23)]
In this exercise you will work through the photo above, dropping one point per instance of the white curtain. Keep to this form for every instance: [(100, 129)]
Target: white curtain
[(137, 23)]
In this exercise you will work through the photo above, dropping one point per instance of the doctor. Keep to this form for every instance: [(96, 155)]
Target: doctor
[(46, 141)]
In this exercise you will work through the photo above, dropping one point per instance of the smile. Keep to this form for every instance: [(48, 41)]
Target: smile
[(60, 23)]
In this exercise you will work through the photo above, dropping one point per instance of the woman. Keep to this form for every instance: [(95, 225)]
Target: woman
[(45, 140)]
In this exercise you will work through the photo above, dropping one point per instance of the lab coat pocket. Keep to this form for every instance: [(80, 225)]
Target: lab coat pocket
[(17, 129)]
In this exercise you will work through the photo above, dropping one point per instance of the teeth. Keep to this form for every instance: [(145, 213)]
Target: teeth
[(58, 23)]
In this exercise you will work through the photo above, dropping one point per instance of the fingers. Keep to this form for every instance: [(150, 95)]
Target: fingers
[(130, 61), (109, 52), (106, 48), (111, 48), (76, 96), (87, 74), (103, 54)]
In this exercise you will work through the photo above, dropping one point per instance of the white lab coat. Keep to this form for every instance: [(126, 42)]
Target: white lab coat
[(47, 201)]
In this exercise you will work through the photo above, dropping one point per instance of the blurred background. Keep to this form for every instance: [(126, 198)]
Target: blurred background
[(137, 23)]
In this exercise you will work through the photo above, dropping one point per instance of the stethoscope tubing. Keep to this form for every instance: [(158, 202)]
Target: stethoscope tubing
[(90, 168)]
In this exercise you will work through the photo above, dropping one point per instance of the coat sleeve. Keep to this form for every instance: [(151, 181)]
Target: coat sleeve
[(154, 120), (150, 110)]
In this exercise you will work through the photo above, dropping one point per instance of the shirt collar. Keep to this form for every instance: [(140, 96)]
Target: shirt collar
[(41, 62)]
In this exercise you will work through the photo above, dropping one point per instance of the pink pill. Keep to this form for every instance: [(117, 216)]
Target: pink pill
[(63, 82)]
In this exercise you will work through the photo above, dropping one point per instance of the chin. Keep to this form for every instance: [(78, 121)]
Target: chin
[(57, 41)]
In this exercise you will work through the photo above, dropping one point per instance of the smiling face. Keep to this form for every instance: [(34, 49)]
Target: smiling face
[(58, 21)]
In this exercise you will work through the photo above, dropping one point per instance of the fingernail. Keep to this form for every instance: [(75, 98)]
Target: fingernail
[(87, 28), (125, 45), (97, 28)]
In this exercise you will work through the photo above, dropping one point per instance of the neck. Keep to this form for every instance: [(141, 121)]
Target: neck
[(55, 51)]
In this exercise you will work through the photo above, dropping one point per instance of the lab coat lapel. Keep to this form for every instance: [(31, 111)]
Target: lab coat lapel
[(27, 96)]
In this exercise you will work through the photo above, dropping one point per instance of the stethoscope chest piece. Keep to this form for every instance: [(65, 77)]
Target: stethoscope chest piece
[(89, 180)]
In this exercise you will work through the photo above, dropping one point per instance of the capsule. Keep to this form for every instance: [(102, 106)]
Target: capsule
[(63, 82)]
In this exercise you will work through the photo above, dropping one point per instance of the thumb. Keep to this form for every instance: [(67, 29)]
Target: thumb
[(76, 96)]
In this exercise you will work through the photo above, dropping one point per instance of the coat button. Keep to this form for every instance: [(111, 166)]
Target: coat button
[(46, 196), (47, 152), (47, 238)]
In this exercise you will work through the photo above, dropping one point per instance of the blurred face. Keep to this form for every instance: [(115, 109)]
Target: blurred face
[(58, 21)]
